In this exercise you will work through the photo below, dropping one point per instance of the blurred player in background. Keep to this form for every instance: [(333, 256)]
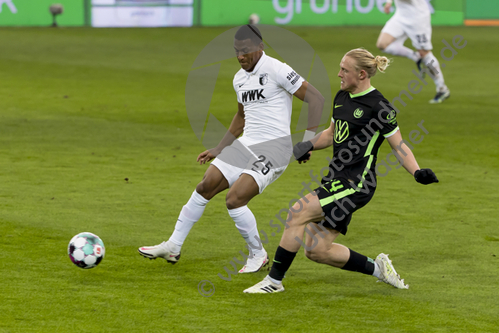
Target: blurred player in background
[(247, 165), (362, 120), (412, 19)]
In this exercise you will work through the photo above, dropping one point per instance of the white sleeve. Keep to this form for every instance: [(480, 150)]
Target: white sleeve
[(391, 133), (289, 79), (237, 95), (235, 89)]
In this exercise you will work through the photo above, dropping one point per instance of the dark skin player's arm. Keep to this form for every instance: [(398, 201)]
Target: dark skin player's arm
[(235, 130)]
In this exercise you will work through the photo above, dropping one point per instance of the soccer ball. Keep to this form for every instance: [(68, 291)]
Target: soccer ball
[(86, 250), (254, 19)]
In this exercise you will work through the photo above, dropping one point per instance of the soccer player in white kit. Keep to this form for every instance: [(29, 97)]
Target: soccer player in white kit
[(248, 164), (412, 19)]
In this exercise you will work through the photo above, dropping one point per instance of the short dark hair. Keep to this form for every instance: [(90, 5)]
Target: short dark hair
[(249, 31)]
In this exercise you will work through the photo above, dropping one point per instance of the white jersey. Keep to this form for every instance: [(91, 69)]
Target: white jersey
[(409, 9), (267, 95)]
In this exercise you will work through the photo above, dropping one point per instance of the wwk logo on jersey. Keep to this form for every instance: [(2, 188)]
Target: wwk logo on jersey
[(252, 95)]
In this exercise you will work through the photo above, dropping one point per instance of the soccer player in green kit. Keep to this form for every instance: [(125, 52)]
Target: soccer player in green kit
[(362, 119)]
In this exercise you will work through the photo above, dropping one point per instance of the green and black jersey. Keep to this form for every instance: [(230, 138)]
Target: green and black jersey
[(361, 123)]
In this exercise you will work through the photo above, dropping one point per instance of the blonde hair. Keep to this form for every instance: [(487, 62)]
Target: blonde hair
[(364, 60)]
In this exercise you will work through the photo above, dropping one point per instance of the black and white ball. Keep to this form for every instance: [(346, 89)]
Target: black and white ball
[(86, 250), (254, 19)]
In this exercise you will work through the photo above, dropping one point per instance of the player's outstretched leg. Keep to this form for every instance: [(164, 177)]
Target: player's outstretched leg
[(189, 215), (213, 182), (387, 272)]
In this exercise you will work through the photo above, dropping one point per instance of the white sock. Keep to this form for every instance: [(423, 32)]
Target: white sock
[(246, 224), (376, 272), (273, 280), (434, 67), (190, 214), (397, 48)]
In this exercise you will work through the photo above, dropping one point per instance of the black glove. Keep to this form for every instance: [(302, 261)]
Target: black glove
[(425, 176), (301, 150)]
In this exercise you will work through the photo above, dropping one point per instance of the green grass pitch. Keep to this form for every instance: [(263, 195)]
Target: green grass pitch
[(83, 109)]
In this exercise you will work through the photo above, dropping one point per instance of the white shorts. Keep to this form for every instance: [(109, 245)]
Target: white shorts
[(417, 29), (236, 159)]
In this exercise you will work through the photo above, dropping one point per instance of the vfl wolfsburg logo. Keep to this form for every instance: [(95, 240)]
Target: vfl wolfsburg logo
[(392, 117), (340, 131), (358, 113)]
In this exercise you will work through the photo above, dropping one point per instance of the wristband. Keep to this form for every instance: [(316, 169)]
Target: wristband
[(309, 135)]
